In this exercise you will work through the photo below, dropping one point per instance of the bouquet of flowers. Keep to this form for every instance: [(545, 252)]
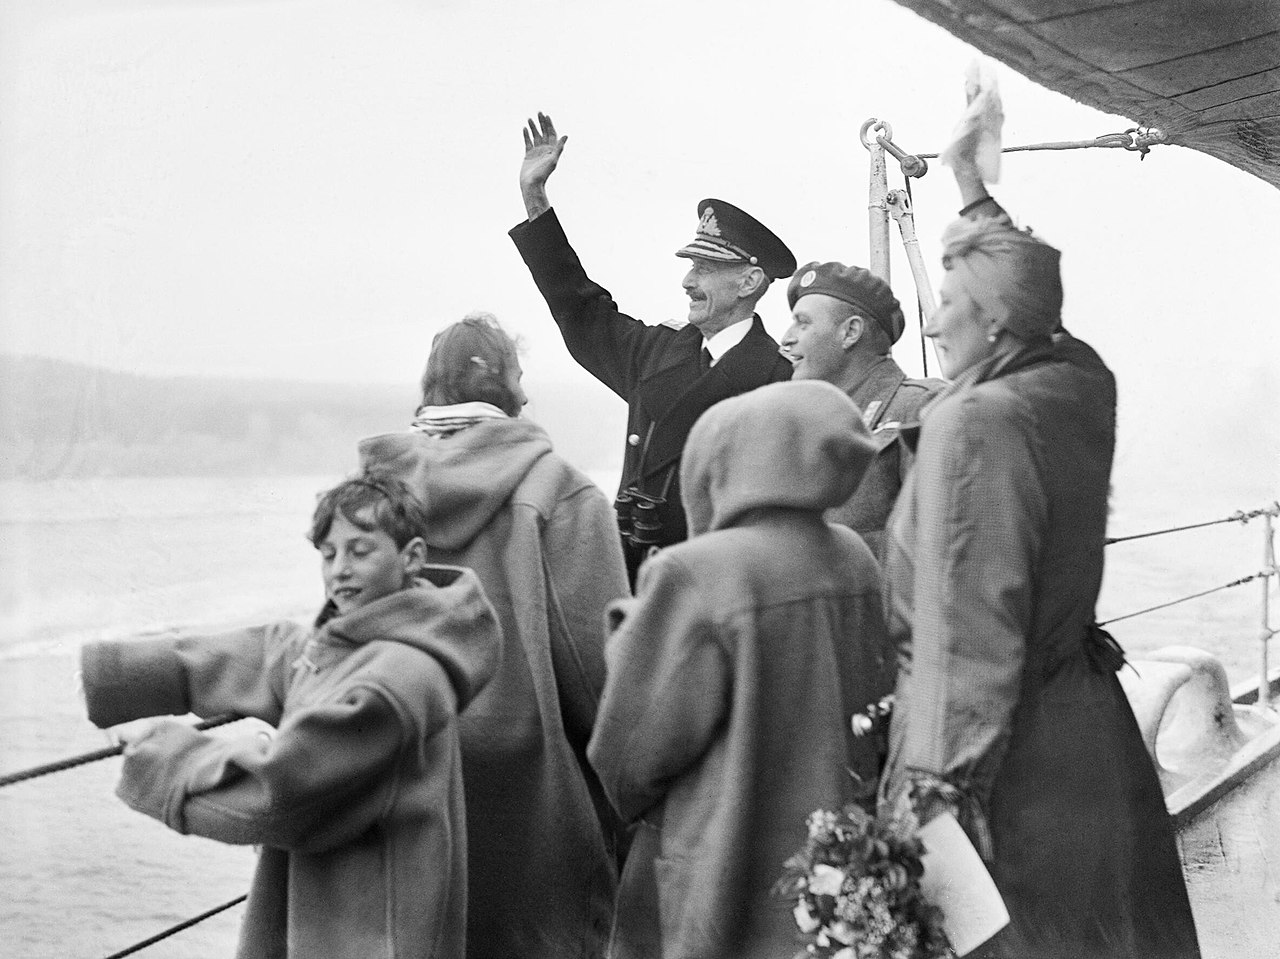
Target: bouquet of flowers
[(856, 884)]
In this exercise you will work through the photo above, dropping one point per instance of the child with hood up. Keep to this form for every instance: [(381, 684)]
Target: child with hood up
[(356, 800), (733, 674)]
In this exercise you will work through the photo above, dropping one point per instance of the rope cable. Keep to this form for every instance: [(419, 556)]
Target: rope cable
[(97, 754), (1237, 517), (1135, 139), (185, 924), (1184, 599)]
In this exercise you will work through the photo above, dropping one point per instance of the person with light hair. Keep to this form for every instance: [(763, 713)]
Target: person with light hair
[(542, 539), (1008, 711)]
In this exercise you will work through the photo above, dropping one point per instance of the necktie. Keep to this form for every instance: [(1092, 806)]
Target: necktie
[(706, 359)]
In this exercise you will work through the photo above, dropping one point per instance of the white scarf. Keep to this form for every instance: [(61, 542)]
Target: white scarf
[(442, 421)]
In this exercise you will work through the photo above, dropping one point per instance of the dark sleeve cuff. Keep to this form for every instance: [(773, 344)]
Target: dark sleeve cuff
[(972, 207), (542, 228)]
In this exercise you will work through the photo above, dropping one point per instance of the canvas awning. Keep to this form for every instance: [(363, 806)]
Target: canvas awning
[(1206, 72)]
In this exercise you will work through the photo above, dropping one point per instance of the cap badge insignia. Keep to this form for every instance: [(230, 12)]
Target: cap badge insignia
[(708, 224), (808, 278)]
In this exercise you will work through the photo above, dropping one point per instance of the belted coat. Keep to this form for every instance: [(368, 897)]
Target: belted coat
[(1008, 706), (656, 369)]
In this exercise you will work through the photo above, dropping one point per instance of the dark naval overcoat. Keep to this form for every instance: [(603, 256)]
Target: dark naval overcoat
[(889, 400), (656, 369)]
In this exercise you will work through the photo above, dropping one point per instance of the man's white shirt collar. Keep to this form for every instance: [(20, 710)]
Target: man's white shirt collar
[(727, 339)]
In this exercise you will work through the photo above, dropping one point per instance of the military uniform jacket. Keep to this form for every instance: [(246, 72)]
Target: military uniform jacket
[(889, 400), (656, 369)]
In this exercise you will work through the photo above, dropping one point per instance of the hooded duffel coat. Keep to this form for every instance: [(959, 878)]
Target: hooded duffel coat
[(543, 540), (1008, 705), (733, 674), (356, 800)]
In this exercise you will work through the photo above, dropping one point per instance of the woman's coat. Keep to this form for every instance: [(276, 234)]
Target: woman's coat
[(543, 540), (734, 672), (993, 566)]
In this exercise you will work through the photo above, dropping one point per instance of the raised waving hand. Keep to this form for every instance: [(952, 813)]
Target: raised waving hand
[(542, 149)]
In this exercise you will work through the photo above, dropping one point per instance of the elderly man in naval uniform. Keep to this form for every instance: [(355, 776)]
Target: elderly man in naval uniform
[(668, 374), (844, 322)]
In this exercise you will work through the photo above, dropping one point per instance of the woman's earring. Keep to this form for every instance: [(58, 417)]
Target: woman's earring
[(992, 336)]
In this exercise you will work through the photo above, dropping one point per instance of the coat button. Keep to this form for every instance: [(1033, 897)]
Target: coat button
[(633, 439)]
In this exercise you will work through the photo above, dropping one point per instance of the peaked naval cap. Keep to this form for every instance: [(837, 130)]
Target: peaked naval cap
[(864, 291), (729, 235)]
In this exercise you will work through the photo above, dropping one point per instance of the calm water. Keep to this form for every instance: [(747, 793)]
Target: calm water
[(82, 876)]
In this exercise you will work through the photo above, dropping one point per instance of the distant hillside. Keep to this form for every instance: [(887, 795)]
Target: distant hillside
[(64, 419)]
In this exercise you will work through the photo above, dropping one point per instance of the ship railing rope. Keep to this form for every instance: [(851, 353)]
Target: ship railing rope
[(1269, 569), (1239, 516), (172, 930), (91, 757), (97, 754), (1174, 602)]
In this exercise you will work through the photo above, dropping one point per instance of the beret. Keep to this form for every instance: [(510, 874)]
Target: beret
[(730, 235), (858, 287)]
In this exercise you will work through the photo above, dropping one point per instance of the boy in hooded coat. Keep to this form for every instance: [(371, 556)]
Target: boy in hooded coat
[(733, 674), (357, 798)]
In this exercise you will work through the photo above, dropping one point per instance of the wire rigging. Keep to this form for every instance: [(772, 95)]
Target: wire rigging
[(97, 754), (172, 930)]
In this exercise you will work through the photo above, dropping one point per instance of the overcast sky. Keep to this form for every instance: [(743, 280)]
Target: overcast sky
[(311, 189)]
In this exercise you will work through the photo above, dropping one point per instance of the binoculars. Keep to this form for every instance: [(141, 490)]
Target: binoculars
[(638, 519)]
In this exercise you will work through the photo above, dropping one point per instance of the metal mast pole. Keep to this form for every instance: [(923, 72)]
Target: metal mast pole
[(1269, 570), (877, 206)]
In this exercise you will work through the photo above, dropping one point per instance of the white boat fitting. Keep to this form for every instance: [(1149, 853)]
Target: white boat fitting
[(1218, 754), (1191, 723)]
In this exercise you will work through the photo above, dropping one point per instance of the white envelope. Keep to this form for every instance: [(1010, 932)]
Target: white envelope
[(957, 882)]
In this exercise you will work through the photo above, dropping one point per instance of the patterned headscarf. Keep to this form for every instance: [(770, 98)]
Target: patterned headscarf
[(1011, 274)]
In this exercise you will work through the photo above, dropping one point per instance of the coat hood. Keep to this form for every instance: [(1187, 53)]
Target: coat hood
[(465, 478), (797, 445), (445, 615)]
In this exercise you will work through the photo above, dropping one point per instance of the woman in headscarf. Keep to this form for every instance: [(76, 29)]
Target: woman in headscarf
[(543, 540), (1008, 710)]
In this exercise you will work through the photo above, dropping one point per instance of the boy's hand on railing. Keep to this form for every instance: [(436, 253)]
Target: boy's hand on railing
[(131, 733)]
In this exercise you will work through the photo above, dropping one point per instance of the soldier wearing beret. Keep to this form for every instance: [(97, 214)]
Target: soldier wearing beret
[(668, 374), (845, 320)]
